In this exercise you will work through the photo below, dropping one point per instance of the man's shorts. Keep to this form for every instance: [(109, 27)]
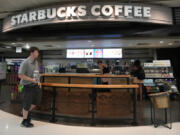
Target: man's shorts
[(31, 95)]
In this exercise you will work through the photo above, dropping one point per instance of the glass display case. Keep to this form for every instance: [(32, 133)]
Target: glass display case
[(159, 72)]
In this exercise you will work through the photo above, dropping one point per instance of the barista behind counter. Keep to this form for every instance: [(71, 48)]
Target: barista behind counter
[(104, 69)]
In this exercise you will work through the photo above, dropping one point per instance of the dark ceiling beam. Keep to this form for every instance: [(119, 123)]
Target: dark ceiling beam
[(59, 31)]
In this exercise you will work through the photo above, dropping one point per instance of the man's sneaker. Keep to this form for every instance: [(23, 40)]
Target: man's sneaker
[(26, 124)]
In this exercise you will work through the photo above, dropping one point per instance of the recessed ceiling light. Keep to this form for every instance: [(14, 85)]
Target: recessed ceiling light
[(13, 43), (170, 43), (8, 47), (161, 42), (93, 45), (18, 50), (129, 45), (27, 46), (49, 46), (139, 44), (89, 41)]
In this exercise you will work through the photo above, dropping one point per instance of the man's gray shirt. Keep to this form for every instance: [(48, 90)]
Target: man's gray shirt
[(27, 68)]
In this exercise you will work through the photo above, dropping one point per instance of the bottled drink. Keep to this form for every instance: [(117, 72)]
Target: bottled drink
[(36, 75)]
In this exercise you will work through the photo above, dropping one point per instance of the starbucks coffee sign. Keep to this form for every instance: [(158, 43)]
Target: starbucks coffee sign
[(89, 12), (65, 13)]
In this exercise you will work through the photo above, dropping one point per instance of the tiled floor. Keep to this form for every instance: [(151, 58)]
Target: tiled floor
[(143, 114), (10, 125)]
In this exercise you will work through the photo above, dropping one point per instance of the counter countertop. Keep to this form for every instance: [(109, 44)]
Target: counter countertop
[(85, 75), (90, 86)]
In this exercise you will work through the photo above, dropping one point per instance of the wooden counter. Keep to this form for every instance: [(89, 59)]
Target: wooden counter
[(94, 89), (91, 86), (74, 90)]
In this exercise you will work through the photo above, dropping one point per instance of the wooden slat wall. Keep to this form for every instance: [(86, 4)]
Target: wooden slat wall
[(73, 103), (116, 104)]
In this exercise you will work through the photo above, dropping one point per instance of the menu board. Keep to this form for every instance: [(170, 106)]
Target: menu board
[(89, 53), (94, 53), (162, 63), (98, 53), (112, 53), (75, 53), (158, 63)]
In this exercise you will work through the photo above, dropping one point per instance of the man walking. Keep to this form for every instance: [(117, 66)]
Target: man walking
[(31, 94)]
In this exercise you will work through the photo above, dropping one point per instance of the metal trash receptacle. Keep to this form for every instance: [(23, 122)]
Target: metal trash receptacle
[(160, 100)]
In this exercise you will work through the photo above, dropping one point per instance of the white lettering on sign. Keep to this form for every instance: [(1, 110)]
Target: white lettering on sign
[(82, 11), (107, 10), (61, 12), (127, 11), (71, 11), (118, 10), (32, 16), (13, 20), (138, 11), (18, 18), (51, 13), (95, 10), (24, 18), (76, 12), (41, 15), (147, 12)]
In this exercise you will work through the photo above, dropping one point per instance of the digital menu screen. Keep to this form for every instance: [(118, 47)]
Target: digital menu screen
[(112, 53), (88, 53), (98, 53), (75, 53), (94, 53)]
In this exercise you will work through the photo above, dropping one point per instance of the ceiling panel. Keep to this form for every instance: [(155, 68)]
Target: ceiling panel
[(101, 43), (169, 3)]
